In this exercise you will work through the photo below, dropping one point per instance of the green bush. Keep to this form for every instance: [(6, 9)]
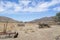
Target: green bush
[(58, 16)]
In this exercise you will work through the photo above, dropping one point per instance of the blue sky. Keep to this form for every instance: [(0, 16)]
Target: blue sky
[(27, 10)]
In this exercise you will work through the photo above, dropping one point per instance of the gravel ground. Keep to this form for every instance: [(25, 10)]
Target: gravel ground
[(52, 33)]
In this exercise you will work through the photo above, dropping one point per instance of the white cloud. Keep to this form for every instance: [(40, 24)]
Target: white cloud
[(23, 6), (1, 9), (42, 6), (25, 3), (56, 9)]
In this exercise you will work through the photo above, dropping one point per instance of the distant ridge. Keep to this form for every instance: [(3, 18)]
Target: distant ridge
[(47, 20), (7, 19)]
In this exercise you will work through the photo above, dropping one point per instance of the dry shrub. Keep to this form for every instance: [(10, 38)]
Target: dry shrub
[(44, 26)]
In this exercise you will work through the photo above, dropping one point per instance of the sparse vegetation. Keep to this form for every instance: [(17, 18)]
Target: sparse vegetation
[(19, 25), (44, 26)]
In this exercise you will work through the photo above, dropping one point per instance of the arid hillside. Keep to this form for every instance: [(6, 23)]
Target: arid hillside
[(7, 19), (45, 20)]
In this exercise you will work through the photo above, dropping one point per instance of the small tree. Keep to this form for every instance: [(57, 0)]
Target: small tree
[(58, 17)]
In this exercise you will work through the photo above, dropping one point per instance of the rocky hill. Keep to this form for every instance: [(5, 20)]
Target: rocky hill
[(47, 20), (7, 19)]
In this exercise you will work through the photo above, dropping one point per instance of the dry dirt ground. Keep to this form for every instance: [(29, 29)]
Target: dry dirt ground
[(37, 34)]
